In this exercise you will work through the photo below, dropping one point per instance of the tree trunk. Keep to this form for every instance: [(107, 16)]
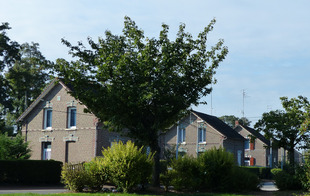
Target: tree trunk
[(156, 170), (292, 159)]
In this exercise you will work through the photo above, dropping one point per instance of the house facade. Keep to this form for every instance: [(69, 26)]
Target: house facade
[(56, 127), (198, 132), (257, 148)]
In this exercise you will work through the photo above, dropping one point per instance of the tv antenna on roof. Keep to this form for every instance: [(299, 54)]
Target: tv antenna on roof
[(244, 95)]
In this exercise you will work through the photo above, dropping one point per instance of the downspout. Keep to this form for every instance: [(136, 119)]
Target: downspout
[(270, 161), (96, 138), (26, 131), (197, 146), (177, 142)]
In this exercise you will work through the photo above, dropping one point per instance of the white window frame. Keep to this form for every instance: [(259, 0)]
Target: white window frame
[(46, 120), (202, 135), (46, 152), (247, 161), (70, 126), (181, 135)]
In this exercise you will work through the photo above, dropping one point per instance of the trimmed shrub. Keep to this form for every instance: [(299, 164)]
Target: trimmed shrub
[(185, 174), (243, 180), (127, 165), (216, 166), (286, 181), (74, 177), (97, 174), (30, 171), (261, 172)]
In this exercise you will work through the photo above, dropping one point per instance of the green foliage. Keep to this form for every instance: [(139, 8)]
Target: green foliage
[(127, 165), (214, 170), (144, 84), (186, 174), (286, 181), (231, 120), (303, 173), (261, 172), (217, 165), (13, 148), (97, 174), (74, 177), (288, 127), (243, 180), (30, 172)]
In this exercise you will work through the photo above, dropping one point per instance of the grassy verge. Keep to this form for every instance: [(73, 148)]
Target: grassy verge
[(111, 194)]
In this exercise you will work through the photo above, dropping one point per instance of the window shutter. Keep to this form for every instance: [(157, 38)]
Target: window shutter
[(252, 160)]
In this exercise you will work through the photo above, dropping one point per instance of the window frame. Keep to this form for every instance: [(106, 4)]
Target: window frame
[(69, 115), (202, 137), (46, 150), (46, 114), (247, 140), (181, 135)]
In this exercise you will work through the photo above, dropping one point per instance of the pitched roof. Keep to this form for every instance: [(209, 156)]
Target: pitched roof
[(219, 125), (256, 134), (45, 91)]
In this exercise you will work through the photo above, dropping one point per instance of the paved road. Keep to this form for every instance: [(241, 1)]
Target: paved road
[(38, 190)]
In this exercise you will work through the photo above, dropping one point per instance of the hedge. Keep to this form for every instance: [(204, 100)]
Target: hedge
[(30, 171), (261, 172)]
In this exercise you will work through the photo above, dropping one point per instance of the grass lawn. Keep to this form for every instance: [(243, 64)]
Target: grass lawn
[(111, 194)]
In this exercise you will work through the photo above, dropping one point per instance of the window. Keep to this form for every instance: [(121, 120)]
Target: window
[(46, 150), (181, 135), (48, 118), (201, 135), (247, 144), (72, 117), (246, 161)]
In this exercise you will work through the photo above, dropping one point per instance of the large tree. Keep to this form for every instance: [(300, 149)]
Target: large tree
[(9, 52), (26, 79), (287, 126), (142, 84)]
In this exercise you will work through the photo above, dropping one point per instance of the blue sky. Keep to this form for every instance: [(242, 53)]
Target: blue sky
[(268, 41)]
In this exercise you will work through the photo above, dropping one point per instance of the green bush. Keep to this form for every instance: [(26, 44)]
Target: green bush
[(128, 165), (74, 176), (286, 181), (275, 171), (13, 148), (243, 180), (216, 166), (185, 174), (97, 174), (30, 171), (261, 172)]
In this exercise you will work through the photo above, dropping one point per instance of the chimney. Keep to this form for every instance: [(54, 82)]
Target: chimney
[(236, 123)]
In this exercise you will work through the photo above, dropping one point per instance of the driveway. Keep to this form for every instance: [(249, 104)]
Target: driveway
[(268, 186)]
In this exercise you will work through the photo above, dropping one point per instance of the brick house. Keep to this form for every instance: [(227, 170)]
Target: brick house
[(198, 132), (57, 127), (256, 147)]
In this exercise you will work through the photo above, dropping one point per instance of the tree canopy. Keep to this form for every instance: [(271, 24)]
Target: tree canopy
[(287, 126), (23, 74), (231, 120), (139, 83)]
